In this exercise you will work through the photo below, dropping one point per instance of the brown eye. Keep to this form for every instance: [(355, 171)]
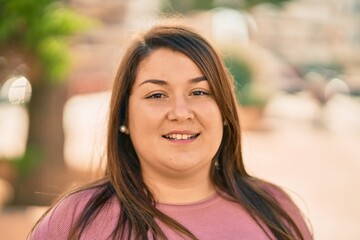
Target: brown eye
[(156, 95), (199, 93)]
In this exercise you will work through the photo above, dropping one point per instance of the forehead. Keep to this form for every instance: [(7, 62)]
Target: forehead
[(163, 62)]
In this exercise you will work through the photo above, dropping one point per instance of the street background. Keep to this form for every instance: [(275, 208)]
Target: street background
[(296, 68)]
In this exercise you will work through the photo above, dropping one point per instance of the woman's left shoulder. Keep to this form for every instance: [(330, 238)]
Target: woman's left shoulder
[(275, 191), (286, 202)]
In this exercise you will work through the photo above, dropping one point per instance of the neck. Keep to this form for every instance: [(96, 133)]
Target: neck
[(180, 190)]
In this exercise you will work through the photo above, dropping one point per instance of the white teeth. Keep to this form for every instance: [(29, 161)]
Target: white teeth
[(180, 136)]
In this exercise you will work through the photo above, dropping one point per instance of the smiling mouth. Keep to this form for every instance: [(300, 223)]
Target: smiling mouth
[(175, 136)]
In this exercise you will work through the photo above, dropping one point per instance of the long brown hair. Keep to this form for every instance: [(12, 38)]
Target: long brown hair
[(123, 179)]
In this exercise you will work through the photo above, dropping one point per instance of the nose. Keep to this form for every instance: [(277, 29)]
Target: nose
[(180, 110)]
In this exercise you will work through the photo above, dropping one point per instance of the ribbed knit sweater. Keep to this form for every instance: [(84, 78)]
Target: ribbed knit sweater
[(214, 218)]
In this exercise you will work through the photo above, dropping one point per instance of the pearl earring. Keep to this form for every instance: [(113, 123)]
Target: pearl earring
[(217, 165), (123, 129)]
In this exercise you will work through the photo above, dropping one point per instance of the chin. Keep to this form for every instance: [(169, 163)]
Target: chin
[(187, 166)]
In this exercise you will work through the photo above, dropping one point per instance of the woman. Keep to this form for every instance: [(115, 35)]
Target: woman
[(175, 169)]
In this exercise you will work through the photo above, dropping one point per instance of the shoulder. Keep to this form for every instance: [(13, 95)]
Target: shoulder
[(280, 196), (57, 222), (286, 203), (275, 192)]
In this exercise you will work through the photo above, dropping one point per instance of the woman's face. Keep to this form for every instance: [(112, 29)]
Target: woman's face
[(174, 122)]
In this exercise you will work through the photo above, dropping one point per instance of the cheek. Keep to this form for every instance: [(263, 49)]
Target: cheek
[(216, 119), (211, 113), (143, 117), (210, 118)]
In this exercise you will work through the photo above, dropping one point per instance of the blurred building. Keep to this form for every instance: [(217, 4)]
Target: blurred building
[(312, 31)]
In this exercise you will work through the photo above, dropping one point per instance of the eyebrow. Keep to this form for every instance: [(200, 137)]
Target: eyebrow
[(163, 82)]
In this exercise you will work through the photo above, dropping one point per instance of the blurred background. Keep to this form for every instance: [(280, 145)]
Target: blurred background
[(296, 65)]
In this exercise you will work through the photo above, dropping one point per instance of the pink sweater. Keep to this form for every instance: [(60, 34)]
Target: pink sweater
[(212, 218)]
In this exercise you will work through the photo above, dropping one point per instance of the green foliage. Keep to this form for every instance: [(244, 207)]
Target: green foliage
[(239, 69), (41, 27), (184, 6), (247, 91), (251, 3), (28, 161)]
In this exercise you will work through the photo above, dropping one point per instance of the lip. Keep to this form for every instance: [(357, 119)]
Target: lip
[(182, 132), (189, 132)]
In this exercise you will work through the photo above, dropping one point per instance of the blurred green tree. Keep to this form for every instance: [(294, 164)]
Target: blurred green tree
[(251, 3), (242, 73), (185, 6), (35, 41)]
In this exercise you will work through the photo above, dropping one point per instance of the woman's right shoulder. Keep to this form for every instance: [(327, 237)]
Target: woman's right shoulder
[(57, 222)]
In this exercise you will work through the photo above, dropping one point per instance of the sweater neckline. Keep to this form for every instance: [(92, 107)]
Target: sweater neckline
[(193, 205)]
